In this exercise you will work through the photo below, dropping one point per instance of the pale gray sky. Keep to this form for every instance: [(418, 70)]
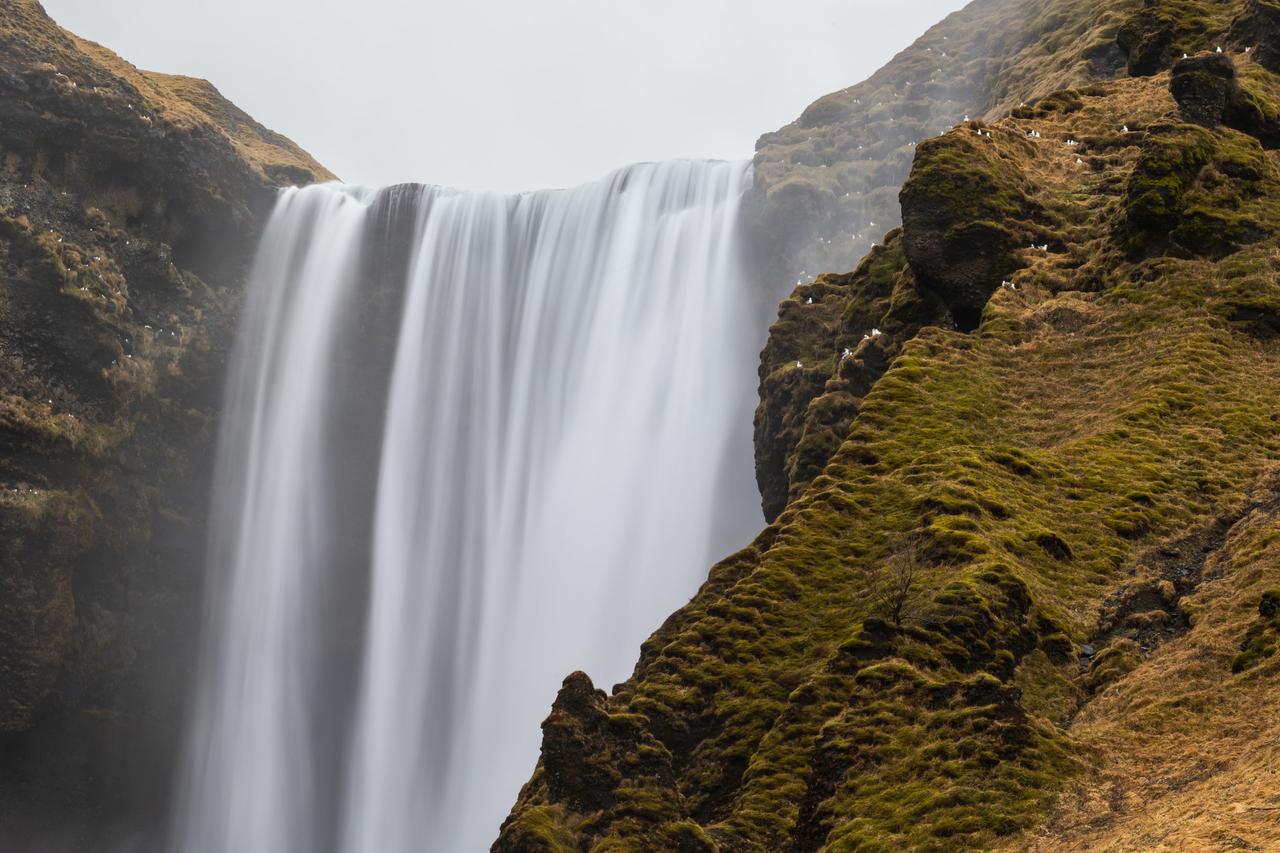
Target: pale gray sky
[(510, 94)]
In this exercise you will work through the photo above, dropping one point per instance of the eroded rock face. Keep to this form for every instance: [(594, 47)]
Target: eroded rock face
[(1203, 86), (130, 205), (1258, 28), (1147, 40), (832, 340), (961, 210)]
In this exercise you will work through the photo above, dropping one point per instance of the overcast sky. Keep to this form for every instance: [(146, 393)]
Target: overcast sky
[(510, 94)]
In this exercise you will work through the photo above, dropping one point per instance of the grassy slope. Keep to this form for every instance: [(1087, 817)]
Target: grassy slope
[(1121, 396), (182, 103)]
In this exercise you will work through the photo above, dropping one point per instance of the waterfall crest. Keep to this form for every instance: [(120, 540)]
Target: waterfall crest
[(472, 442)]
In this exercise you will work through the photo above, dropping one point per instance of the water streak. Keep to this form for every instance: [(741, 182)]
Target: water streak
[(456, 465)]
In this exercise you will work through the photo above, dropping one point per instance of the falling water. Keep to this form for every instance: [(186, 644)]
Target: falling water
[(472, 442)]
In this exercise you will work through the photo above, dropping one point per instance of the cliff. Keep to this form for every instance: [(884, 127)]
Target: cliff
[(129, 207), (1020, 586)]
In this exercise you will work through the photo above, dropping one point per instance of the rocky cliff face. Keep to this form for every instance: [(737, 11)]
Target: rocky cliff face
[(129, 206), (1019, 591)]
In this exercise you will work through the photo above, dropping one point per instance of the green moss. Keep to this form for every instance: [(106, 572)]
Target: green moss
[(1263, 637)]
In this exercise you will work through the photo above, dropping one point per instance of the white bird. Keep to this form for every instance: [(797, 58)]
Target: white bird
[(1219, 49), (846, 353), (966, 118), (809, 301), (798, 364), (872, 224), (875, 333), (1184, 56), (1124, 129), (1247, 49), (1045, 247), (1079, 161)]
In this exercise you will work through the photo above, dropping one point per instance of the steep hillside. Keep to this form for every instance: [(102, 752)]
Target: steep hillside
[(1019, 590), (129, 206)]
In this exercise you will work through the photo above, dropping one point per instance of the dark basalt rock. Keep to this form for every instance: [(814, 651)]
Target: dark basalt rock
[(1147, 41), (1258, 28), (572, 746), (958, 207), (1203, 86)]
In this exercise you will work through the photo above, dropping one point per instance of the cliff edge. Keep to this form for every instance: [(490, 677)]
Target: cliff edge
[(130, 204), (1020, 589)]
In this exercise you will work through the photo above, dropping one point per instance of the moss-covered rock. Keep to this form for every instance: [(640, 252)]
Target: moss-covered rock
[(962, 214), (1203, 86)]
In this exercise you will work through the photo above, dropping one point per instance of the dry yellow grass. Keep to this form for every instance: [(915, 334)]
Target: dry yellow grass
[(182, 103), (1188, 754)]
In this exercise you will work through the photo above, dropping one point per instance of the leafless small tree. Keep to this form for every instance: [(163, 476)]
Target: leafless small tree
[(892, 588)]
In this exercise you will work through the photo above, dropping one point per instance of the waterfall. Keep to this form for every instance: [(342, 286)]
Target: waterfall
[(471, 443)]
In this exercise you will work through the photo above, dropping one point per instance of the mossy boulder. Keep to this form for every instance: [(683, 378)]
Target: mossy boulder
[(962, 214), (1161, 31), (1203, 86)]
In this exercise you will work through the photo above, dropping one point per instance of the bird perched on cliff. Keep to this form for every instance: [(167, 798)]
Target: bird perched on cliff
[(798, 364), (809, 301), (1219, 50), (1124, 129)]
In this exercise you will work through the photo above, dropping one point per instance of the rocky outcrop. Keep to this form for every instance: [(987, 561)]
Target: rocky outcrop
[(1203, 86), (129, 207), (1258, 28), (962, 213), (832, 340)]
